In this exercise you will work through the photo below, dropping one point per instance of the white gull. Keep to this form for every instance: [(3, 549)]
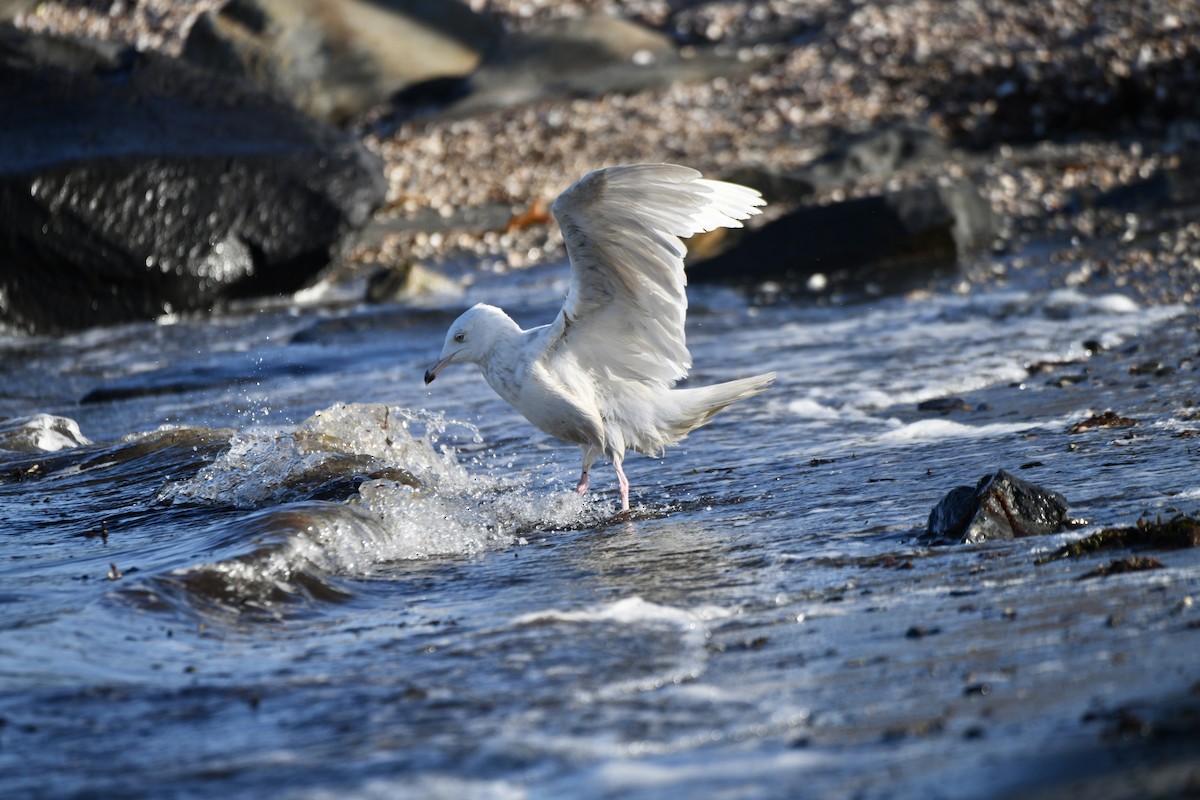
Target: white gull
[(602, 374)]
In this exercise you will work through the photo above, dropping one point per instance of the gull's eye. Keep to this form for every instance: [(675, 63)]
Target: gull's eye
[(460, 337)]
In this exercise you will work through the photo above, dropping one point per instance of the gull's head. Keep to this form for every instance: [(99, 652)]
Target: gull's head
[(471, 337)]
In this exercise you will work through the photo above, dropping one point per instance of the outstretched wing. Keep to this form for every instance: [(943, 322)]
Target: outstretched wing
[(626, 305)]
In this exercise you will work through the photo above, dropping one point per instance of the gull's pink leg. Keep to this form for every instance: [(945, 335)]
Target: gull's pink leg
[(589, 458), (622, 482)]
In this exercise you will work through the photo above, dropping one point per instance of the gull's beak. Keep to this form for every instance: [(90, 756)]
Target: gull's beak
[(433, 371)]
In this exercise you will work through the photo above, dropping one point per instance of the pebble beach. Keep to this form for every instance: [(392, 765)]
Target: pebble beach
[(1110, 89)]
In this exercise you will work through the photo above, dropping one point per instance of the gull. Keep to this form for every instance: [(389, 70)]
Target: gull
[(602, 374)]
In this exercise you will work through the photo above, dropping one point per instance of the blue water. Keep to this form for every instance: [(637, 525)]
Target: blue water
[(271, 562)]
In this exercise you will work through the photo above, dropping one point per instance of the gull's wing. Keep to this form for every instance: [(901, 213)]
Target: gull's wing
[(625, 308)]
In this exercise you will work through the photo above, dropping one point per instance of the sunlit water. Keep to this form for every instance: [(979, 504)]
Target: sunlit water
[(269, 561)]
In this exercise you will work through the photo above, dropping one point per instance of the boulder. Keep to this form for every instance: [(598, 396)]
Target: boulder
[(132, 184), (875, 244), (335, 59), (11, 8), (1001, 506), (586, 56)]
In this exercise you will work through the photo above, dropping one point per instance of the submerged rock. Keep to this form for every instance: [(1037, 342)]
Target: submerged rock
[(1001, 506), (132, 185)]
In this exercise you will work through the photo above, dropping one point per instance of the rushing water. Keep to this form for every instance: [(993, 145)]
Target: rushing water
[(254, 555)]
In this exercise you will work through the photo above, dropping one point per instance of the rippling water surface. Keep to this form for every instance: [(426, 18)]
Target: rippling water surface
[(254, 556)]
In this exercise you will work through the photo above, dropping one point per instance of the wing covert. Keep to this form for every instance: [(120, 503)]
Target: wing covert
[(626, 305)]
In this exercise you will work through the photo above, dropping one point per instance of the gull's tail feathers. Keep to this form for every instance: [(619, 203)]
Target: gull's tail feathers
[(698, 406)]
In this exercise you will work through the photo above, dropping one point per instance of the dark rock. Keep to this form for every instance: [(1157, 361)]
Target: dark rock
[(876, 153), (1077, 94), (132, 184), (335, 59), (944, 405), (872, 245), (574, 57), (1176, 533), (1122, 565), (850, 158), (1108, 419), (1001, 506), (1169, 188), (777, 187)]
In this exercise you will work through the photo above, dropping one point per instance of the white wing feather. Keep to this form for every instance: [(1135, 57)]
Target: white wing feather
[(626, 305)]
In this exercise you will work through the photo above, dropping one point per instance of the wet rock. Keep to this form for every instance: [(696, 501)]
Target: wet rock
[(1177, 533), (1107, 419), (132, 185), (1001, 506), (944, 405), (334, 59), (1122, 565), (873, 245)]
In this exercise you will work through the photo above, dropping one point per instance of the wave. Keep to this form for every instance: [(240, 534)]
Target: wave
[(354, 488)]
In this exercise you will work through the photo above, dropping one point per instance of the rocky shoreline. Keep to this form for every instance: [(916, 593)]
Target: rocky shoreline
[(1078, 124)]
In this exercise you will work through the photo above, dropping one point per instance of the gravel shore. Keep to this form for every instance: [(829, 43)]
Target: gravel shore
[(1048, 106)]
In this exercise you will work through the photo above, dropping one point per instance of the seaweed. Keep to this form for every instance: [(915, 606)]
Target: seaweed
[(1177, 533)]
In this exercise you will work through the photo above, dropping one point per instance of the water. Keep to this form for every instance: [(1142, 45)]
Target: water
[(269, 562)]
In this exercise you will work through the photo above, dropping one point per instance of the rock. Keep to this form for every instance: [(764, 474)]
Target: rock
[(1076, 95), (1174, 534), (406, 281), (876, 153), (10, 8), (876, 244), (1105, 420), (1001, 506), (944, 405), (335, 59), (132, 184), (572, 57), (1174, 187), (562, 56)]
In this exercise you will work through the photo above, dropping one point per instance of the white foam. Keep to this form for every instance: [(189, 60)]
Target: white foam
[(808, 408), (629, 611), (1073, 302), (442, 509), (932, 430), (41, 433), (260, 466), (691, 626)]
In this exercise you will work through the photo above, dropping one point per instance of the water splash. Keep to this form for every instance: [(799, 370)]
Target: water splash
[(40, 433), (405, 496)]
